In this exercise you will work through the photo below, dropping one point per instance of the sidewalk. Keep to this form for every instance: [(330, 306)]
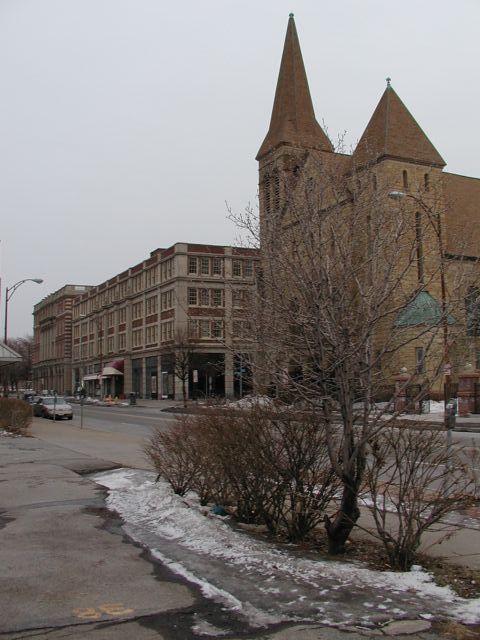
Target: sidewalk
[(63, 567), (69, 571)]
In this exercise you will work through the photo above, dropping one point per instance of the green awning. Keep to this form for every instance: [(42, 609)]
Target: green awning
[(423, 309)]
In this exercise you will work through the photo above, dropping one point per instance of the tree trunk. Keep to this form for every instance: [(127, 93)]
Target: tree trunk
[(338, 530), (184, 393)]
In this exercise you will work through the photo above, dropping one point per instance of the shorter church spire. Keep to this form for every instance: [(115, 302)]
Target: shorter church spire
[(293, 118), (393, 132)]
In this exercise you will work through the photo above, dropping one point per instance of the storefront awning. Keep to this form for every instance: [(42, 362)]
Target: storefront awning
[(8, 355), (91, 376), (111, 371), (114, 368)]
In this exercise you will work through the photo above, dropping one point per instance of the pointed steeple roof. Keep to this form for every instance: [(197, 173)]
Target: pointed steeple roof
[(293, 118), (393, 132)]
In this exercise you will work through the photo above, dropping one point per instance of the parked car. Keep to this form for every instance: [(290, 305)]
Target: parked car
[(53, 407)]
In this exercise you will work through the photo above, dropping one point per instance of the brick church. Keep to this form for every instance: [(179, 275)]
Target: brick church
[(395, 170)]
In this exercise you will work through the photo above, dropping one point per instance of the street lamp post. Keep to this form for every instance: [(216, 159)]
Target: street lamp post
[(9, 291)]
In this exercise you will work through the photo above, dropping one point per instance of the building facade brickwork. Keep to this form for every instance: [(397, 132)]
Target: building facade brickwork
[(396, 167), (128, 330), (52, 340)]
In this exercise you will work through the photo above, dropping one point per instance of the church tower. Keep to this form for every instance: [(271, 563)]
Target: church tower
[(294, 132)]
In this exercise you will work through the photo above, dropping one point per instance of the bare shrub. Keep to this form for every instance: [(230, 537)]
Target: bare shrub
[(415, 480), (173, 455), (308, 480), (269, 466), (15, 416)]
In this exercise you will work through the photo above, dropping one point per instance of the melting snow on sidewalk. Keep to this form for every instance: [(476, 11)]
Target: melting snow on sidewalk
[(263, 583)]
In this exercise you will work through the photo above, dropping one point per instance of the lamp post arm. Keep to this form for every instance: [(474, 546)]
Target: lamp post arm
[(9, 291)]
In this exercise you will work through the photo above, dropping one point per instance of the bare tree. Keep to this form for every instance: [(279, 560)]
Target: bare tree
[(351, 282), (184, 350)]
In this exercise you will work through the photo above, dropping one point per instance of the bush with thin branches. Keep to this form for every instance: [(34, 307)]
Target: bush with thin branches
[(414, 479), (270, 466)]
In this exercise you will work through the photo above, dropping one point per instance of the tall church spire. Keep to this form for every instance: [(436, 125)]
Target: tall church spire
[(293, 119), (394, 133)]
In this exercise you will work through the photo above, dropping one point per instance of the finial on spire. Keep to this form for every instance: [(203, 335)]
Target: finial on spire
[(291, 15), (389, 80)]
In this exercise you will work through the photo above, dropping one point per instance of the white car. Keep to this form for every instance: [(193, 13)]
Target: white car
[(54, 407)]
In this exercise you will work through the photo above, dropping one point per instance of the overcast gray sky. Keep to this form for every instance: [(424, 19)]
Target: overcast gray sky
[(125, 125)]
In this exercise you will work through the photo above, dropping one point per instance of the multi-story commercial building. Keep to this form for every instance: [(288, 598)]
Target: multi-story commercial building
[(52, 340), (129, 331)]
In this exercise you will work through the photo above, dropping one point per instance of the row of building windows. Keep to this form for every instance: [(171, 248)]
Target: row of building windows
[(204, 297), (206, 329), (135, 284), (205, 266)]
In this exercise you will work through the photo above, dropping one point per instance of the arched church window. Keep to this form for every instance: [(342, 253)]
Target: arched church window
[(267, 193), (426, 182), (276, 192), (405, 179), (419, 247)]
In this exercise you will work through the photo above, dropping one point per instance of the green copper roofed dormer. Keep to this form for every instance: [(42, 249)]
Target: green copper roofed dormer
[(423, 309)]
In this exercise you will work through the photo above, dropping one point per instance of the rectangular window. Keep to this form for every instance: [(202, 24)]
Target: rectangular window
[(151, 277), (151, 334), (151, 305), (122, 315), (217, 266), (217, 297), (167, 299), (419, 360), (137, 338), (217, 329), (192, 264), (247, 268), (204, 266), (193, 328), (110, 344), (237, 298), (137, 283), (205, 329), (192, 297), (237, 268), (122, 341), (204, 298), (137, 311), (111, 319)]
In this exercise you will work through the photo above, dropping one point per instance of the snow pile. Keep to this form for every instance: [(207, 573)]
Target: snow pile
[(236, 570), (249, 402), (8, 434)]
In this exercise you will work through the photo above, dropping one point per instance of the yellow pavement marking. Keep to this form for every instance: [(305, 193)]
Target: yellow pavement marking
[(115, 609)]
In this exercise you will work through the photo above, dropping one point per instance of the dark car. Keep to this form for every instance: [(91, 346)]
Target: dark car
[(54, 407)]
